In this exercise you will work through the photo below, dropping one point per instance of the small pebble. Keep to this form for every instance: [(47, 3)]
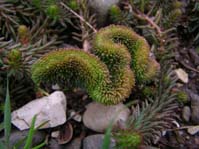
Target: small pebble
[(182, 75), (193, 130), (186, 113), (77, 117), (55, 134), (95, 142)]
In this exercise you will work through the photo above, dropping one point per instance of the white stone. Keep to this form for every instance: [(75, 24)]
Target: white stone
[(50, 109), (97, 116), (101, 8), (182, 75), (55, 87), (96, 142), (102, 5), (75, 116), (55, 134), (193, 130)]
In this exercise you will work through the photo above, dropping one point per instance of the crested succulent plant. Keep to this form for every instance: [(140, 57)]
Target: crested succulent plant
[(120, 58)]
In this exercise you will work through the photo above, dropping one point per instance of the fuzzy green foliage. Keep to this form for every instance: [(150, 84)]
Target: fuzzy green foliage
[(107, 78), (22, 31), (115, 12), (182, 97), (120, 17), (15, 59), (73, 4), (53, 11), (128, 140), (130, 49), (148, 91), (84, 70)]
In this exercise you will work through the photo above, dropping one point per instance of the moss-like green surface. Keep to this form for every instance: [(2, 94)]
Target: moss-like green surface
[(108, 75)]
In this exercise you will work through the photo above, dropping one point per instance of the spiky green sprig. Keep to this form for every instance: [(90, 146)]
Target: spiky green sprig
[(155, 24), (54, 11), (16, 58), (12, 13), (155, 115), (32, 42), (117, 16), (84, 32)]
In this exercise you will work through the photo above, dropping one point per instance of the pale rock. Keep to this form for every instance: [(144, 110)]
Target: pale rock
[(56, 87), (194, 106), (101, 7), (193, 130), (74, 144), (50, 109), (97, 116), (17, 136), (55, 134), (96, 142), (182, 75), (186, 113), (75, 116)]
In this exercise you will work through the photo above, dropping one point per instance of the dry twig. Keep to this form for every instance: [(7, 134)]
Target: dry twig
[(77, 15)]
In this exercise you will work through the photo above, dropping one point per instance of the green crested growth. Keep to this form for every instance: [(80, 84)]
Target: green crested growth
[(108, 79), (118, 45), (68, 65), (81, 69)]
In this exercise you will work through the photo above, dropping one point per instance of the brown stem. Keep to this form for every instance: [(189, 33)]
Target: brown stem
[(141, 16), (77, 15)]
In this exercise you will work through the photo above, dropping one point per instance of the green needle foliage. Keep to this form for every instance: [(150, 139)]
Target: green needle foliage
[(152, 116), (7, 117), (123, 57)]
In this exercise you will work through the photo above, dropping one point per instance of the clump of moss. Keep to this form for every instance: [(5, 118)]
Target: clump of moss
[(108, 77), (115, 13), (22, 31), (182, 97), (73, 4), (81, 69), (128, 139), (149, 91), (119, 45), (53, 11), (15, 59), (23, 34)]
